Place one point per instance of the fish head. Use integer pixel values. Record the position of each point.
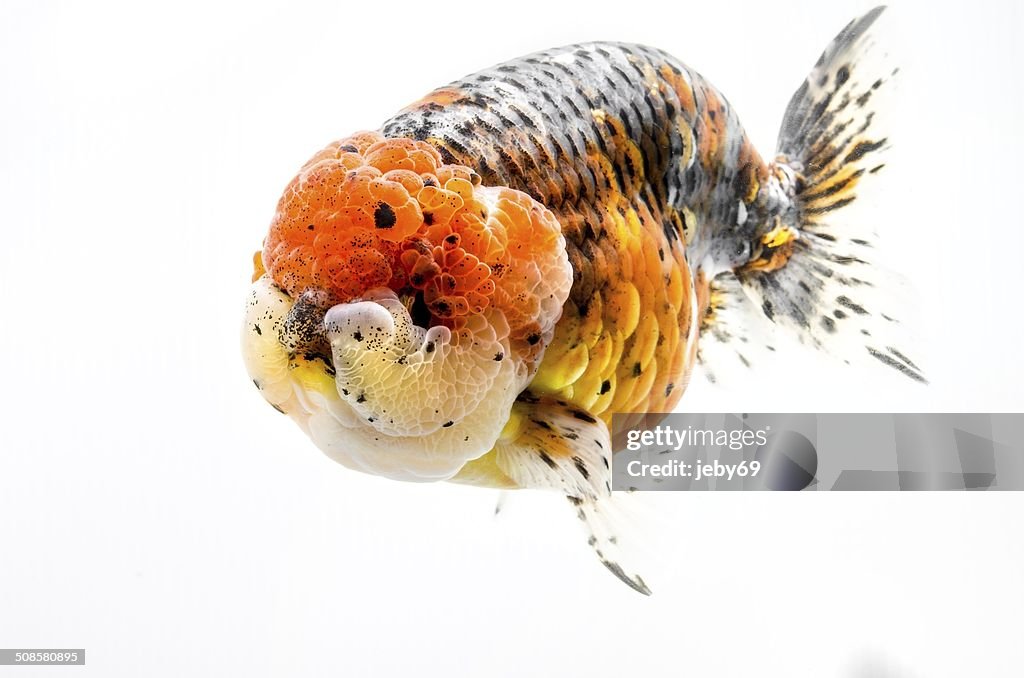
(398, 306)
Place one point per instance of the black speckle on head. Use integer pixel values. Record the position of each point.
(546, 459)
(361, 398)
(668, 389)
(429, 348)
(636, 370)
(428, 218)
(348, 148)
(384, 216)
(258, 329)
(605, 387)
(499, 356)
(533, 339)
(447, 424)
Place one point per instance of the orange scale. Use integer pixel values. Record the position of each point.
(293, 271)
(410, 181)
(357, 216)
(362, 140)
(350, 161)
(273, 249)
(461, 186)
(464, 220)
(326, 242)
(449, 258)
(464, 265)
(441, 204)
(407, 221)
(452, 241)
(416, 156)
(390, 192)
(437, 232)
(365, 239)
(475, 278)
(486, 287)
(390, 158)
(425, 159)
(477, 302)
(448, 172)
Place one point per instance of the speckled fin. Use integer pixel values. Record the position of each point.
(734, 335)
(824, 281)
(555, 445)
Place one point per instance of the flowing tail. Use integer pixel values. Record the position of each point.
(811, 267)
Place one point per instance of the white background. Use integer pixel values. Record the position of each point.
(156, 512)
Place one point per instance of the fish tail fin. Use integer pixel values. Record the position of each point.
(813, 266)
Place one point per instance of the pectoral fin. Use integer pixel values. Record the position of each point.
(552, 444)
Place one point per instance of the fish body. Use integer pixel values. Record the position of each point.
(471, 292)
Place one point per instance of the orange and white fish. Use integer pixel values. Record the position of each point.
(469, 293)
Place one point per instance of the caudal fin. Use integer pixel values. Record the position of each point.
(813, 267)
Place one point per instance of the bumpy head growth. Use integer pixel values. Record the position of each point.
(399, 306)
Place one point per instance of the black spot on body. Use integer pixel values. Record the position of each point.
(583, 416)
(581, 467)
(842, 75)
(543, 424)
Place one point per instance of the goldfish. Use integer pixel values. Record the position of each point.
(469, 292)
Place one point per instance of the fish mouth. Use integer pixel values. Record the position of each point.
(376, 390)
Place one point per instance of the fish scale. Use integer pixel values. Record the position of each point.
(603, 135)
